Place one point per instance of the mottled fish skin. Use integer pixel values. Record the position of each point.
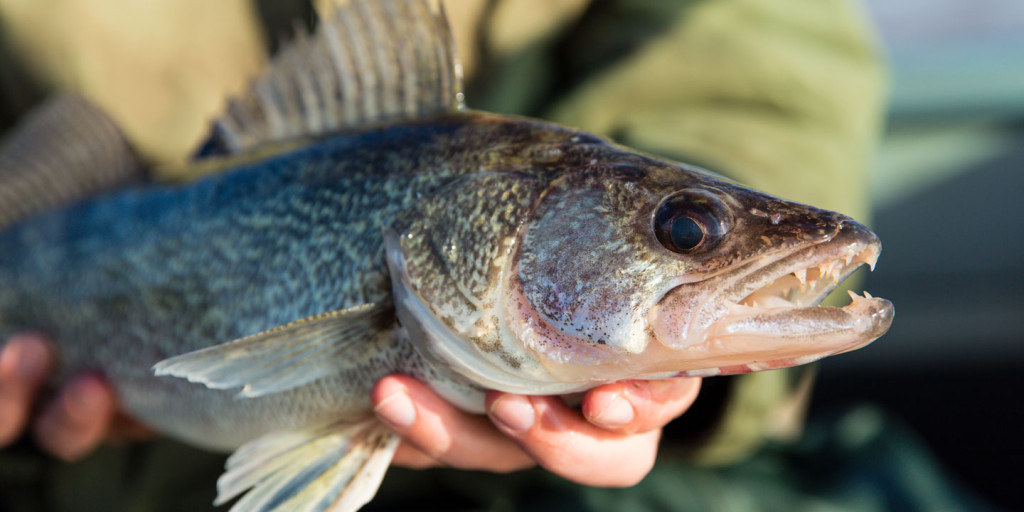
(126, 280)
(519, 255)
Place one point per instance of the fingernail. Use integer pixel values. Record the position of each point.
(397, 409)
(513, 412)
(28, 358)
(617, 413)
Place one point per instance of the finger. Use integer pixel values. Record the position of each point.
(124, 428)
(441, 432)
(77, 420)
(24, 363)
(565, 443)
(409, 456)
(633, 406)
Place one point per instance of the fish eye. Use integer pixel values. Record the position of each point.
(687, 222)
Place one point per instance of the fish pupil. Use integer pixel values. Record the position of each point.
(686, 233)
(690, 221)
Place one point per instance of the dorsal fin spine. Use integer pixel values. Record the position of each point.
(385, 61)
(343, 71)
(307, 86)
(369, 62)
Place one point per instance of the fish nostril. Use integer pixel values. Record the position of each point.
(839, 229)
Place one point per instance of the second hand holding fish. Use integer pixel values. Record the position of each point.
(537, 429)
(615, 419)
(83, 415)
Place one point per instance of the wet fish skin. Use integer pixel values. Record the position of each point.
(527, 246)
(487, 210)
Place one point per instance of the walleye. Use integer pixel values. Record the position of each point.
(396, 231)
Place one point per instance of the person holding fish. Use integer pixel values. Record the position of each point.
(612, 439)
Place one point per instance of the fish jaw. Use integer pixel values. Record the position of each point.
(769, 317)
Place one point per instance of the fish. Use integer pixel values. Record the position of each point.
(360, 221)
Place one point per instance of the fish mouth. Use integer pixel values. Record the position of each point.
(770, 317)
(806, 277)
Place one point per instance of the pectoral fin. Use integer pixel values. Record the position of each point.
(337, 467)
(291, 355)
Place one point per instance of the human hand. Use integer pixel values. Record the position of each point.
(81, 416)
(611, 442)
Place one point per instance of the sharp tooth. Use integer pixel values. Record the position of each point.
(801, 275)
(871, 258)
(829, 268)
(849, 258)
(855, 297)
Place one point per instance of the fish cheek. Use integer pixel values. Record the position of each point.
(583, 269)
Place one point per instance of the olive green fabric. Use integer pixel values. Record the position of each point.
(160, 69)
(785, 96)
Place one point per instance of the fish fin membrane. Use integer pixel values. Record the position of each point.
(368, 63)
(63, 151)
(335, 467)
(291, 355)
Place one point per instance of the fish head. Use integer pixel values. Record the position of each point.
(607, 264)
(634, 267)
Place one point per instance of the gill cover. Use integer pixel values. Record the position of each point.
(449, 258)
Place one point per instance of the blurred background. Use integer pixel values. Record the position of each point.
(948, 191)
(949, 200)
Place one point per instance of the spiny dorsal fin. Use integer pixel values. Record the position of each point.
(63, 151)
(369, 62)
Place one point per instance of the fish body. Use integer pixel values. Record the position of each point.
(473, 251)
(127, 280)
(124, 281)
